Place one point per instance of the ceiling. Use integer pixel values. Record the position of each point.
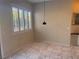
(37, 1)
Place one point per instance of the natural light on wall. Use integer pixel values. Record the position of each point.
(22, 19)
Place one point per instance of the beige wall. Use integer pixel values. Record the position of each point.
(58, 17)
(11, 41)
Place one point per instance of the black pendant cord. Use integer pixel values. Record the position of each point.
(44, 23)
(44, 10)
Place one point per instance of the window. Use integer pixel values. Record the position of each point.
(22, 19)
(15, 19)
(26, 20)
(30, 19)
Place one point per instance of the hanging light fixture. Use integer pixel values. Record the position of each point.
(44, 22)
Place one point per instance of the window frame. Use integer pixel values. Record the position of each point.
(25, 29)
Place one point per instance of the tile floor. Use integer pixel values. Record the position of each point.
(47, 51)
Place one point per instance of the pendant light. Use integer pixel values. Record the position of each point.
(44, 22)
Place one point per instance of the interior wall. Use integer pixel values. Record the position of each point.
(12, 41)
(58, 18)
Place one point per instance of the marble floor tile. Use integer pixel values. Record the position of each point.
(46, 51)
